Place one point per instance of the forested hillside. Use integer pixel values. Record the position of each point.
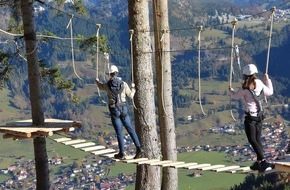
(83, 103)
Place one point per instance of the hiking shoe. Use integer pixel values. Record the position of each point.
(139, 154)
(120, 156)
(255, 166)
(265, 166)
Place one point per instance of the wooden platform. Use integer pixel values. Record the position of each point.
(280, 165)
(24, 128)
(283, 165)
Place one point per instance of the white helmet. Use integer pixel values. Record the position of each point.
(113, 69)
(250, 69)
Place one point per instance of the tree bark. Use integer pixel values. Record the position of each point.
(148, 177)
(40, 154)
(164, 89)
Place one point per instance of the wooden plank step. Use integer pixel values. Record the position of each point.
(185, 165)
(212, 167)
(100, 152)
(99, 147)
(176, 163)
(262, 173)
(239, 170)
(74, 141)
(160, 163)
(198, 166)
(62, 139)
(82, 145)
(227, 168)
(134, 160)
(110, 155)
(148, 161)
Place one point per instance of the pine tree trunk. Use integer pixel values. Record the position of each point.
(164, 89)
(41, 161)
(148, 177)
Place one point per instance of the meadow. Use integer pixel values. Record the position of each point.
(12, 151)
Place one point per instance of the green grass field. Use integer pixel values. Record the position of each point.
(12, 151)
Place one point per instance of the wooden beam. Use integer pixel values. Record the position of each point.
(44, 133)
(82, 145)
(212, 167)
(185, 165)
(100, 152)
(282, 168)
(227, 168)
(62, 139)
(7, 136)
(99, 147)
(198, 166)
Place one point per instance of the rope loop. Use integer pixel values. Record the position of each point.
(199, 79)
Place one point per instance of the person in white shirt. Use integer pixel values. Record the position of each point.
(251, 90)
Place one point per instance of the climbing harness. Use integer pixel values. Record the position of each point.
(234, 22)
(199, 86)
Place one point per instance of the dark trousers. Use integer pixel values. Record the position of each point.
(253, 131)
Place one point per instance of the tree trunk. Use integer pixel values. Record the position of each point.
(164, 89)
(148, 177)
(40, 154)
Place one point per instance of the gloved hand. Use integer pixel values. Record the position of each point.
(133, 85)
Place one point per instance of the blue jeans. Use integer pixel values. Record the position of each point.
(118, 120)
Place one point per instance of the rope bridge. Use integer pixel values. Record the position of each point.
(100, 150)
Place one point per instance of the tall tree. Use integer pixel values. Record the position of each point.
(148, 177)
(164, 89)
(40, 154)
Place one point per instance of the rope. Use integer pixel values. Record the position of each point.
(162, 79)
(132, 61)
(199, 86)
(238, 56)
(234, 22)
(97, 64)
(107, 57)
(269, 46)
(270, 36)
(72, 45)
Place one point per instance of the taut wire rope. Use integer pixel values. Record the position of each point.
(199, 86)
(234, 22)
(70, 24)
(131, 32)
(269, 45)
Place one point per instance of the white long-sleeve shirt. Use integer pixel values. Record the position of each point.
(249, 103)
